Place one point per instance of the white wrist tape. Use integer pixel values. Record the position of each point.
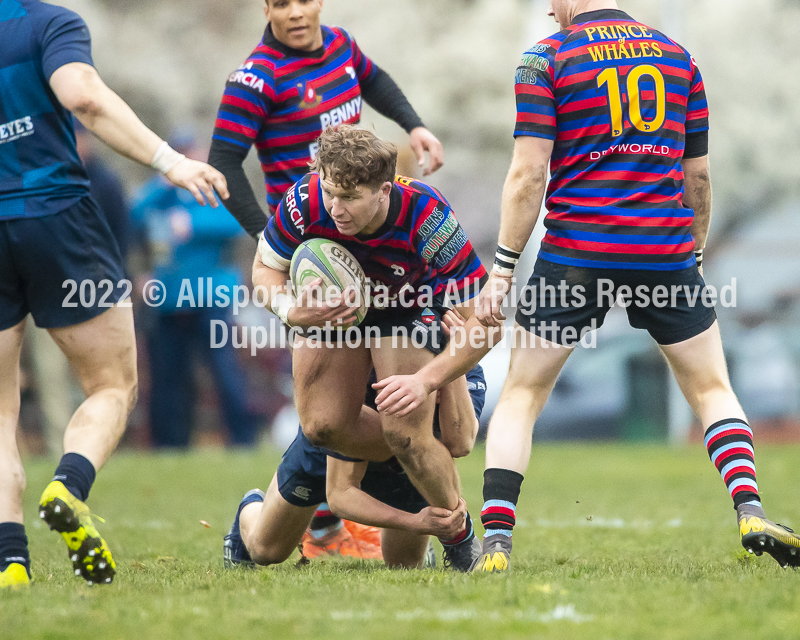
(281, 304)
(166, 158)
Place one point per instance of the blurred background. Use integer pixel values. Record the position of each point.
(455, 60)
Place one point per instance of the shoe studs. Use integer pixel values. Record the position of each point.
(74, 557)
(102, 565)
(41, 514)
(77, 572)
(108, 580)
(57, 509)
(92, 552)
(89, 582)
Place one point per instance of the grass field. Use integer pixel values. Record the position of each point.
(612, 542)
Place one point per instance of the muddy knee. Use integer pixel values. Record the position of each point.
(320, 434)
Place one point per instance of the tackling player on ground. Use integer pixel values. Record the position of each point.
(268, 528)
(407, 239)
(619, 112)
(51, 232)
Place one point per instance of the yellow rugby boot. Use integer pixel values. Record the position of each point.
(760, 535)
(495, 555)
(90, 555)
(14, 577)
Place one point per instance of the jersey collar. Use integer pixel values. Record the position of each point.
(601, 14)
(269, 40)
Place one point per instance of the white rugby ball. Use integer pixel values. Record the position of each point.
(338, 268)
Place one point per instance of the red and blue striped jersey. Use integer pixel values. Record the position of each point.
(421, 244)
(619, 100)
(281, 100)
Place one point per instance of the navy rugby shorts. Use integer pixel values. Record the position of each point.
(39, 255)
(302, 479)
(671, 315)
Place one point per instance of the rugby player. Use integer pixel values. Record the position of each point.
(301, 78)
(406, 238)
(619, 112)
(374, 493)
(52, 233)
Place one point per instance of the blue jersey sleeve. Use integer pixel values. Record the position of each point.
(65, 38)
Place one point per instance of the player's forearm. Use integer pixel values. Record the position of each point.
(353, 504)
(467, 347)
(523, 193)
(228, 159)
(81, 90)
(457, 419)
(382, 94)
(697, 196)
(269, 280)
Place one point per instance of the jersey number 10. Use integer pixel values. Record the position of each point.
(610, 77)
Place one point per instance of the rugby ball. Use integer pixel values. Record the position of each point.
(338, 268)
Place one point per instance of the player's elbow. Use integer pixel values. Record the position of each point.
(462, 441)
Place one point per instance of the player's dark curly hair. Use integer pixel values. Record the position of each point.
(351, 157)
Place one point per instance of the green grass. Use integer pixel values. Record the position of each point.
(612, 542)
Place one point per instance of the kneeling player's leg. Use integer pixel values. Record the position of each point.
(700, 369)
(535, 365)
(329, 384)
(272, 530)
(403, 549)
(426, 460)
(13, 541)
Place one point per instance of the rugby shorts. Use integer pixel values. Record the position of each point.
(39, 255)
(679, 316)
(302, 479)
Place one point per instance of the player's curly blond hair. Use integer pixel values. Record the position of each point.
(351, 157)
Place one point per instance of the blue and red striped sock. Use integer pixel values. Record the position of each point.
(730, 447)
(324, 522)
(466, 534)
(501, 489)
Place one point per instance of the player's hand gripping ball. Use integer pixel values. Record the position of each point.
(338, 268)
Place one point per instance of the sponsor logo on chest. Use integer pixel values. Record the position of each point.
(347, 113)
(16, 129)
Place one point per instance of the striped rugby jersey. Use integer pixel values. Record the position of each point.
(619, 100)
(420, 243)
(282, 99)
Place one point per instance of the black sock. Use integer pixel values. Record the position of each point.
(500, 494)
(14, 546)
(77, 475)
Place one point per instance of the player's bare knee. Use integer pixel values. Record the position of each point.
(319, 433)
(399, 441)
(265, 554)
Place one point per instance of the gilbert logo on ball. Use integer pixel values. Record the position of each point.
(338, 268)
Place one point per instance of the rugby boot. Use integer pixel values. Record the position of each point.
(14, 576)
(760, 535)
(64, 513)
(459, 557)
(364, 533)
(234, 553)
(338, 543)
(495, 555)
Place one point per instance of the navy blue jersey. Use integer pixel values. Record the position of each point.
(40, 171)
